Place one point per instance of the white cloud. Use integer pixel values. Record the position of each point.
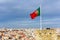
(24, 24)
(50, 7)
(52, 21)
(4, 1)
(10, 5)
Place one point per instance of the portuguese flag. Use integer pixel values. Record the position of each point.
(35, 13)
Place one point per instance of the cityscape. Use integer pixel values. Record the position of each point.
(30, 34)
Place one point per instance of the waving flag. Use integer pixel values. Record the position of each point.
(35, 13)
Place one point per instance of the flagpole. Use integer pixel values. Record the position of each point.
(41, 23)
(40, 19)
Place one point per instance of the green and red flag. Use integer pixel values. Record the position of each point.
(35, 13)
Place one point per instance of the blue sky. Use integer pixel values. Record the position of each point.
(16, 13)
(51, 13)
